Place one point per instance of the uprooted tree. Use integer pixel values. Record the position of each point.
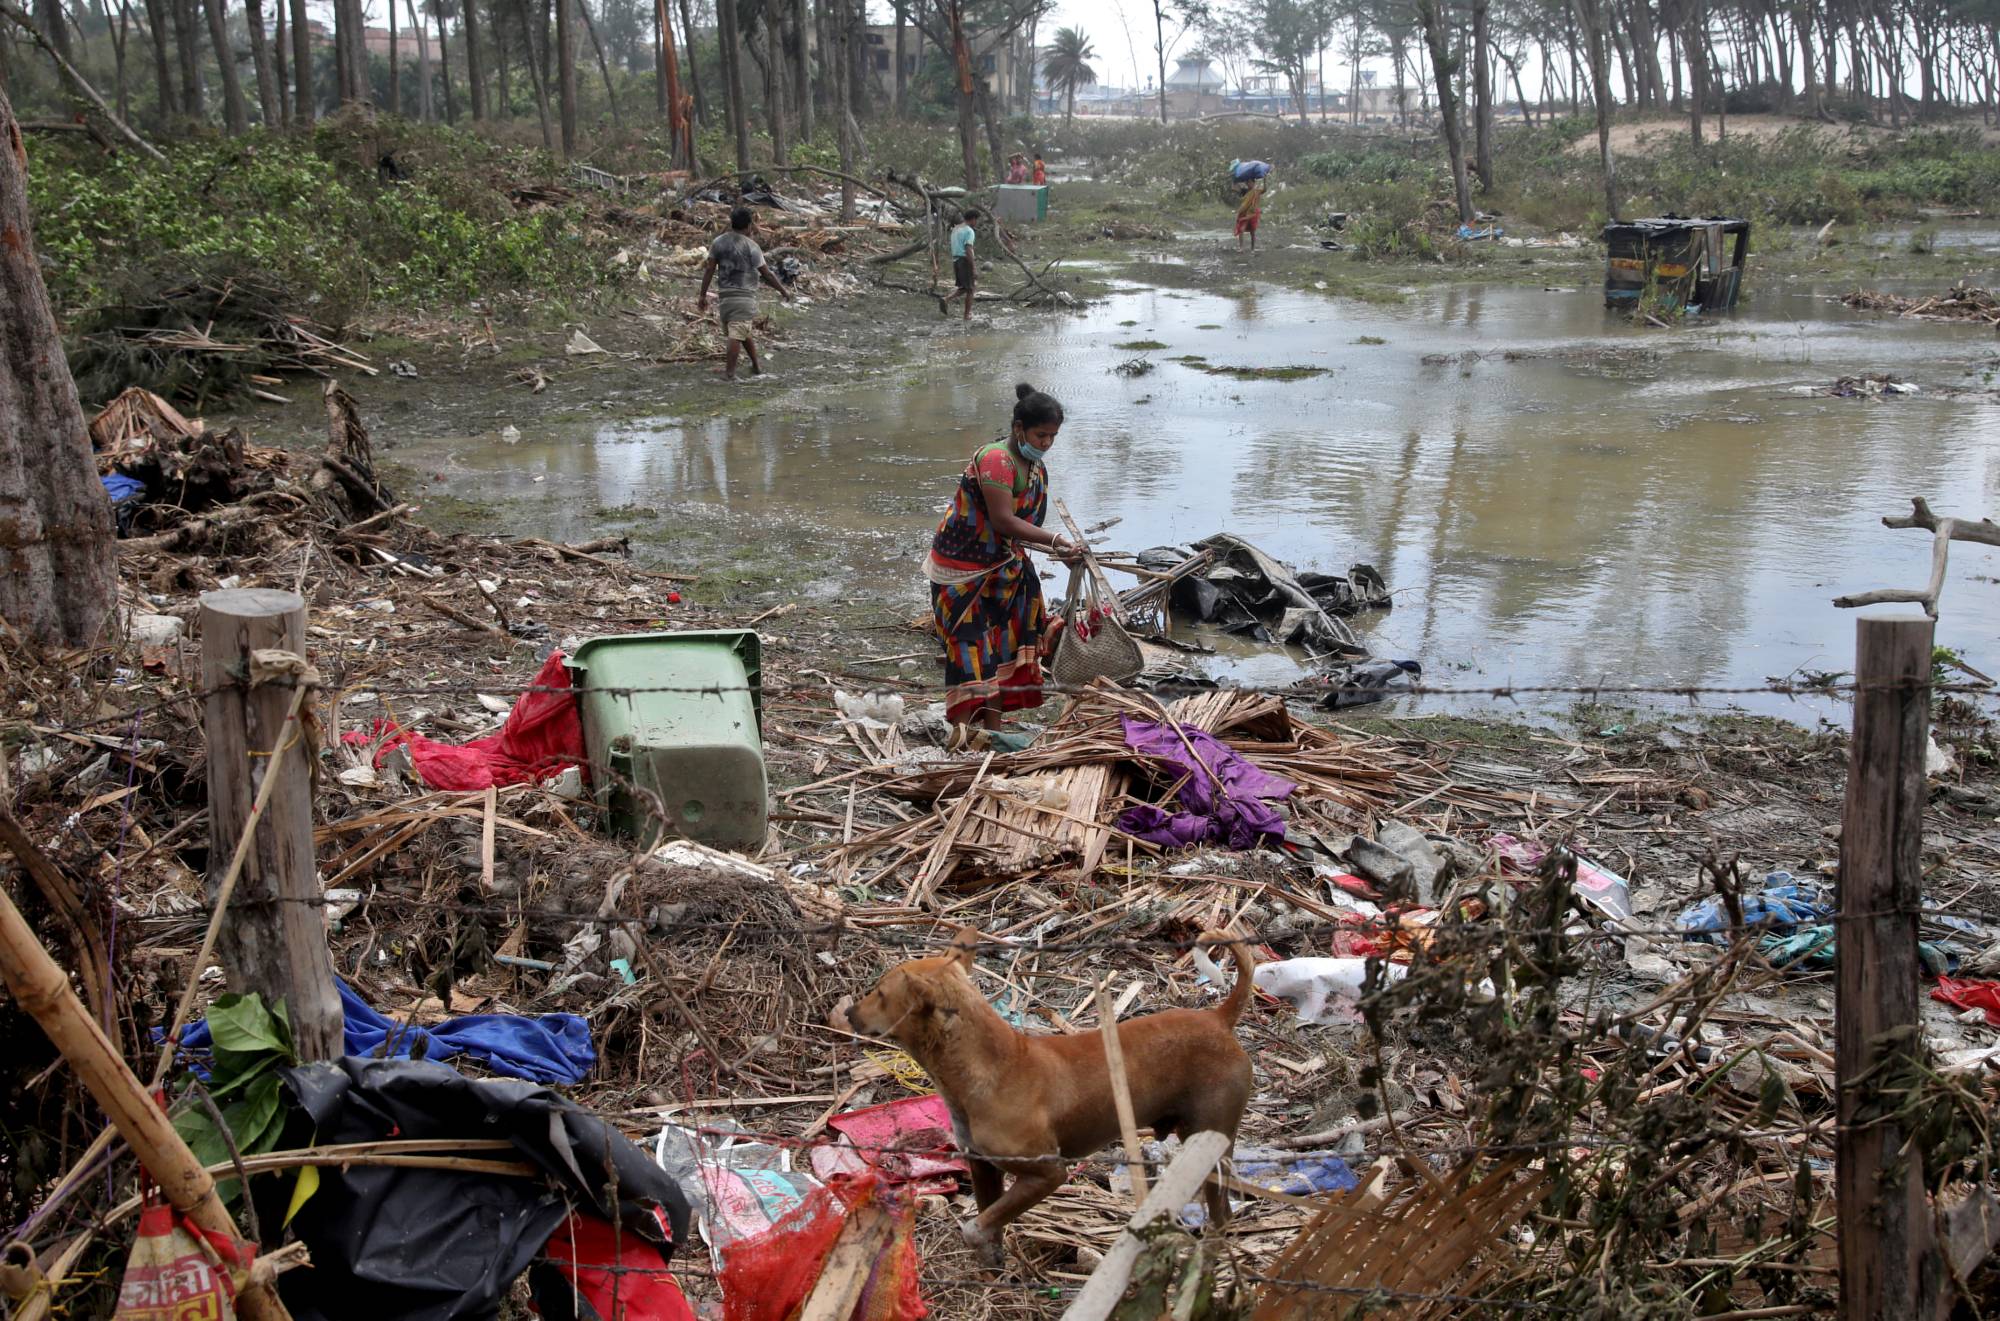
(58, 570)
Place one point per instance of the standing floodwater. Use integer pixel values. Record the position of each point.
(1556, 497)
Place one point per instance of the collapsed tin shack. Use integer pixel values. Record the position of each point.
(1688, 264)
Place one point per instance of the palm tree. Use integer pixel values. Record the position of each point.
(1068, 66)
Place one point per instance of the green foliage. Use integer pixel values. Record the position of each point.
(250, 1044)
(308, 216)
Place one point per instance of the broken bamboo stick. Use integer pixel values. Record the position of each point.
(1121, 1094)
(1179, 1183)
(41, 988)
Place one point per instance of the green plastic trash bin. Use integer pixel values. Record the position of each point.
(699, 754)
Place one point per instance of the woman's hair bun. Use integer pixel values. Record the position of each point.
(1023, 390)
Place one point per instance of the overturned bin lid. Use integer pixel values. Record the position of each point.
(673, 725)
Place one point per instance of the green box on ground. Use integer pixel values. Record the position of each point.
(694, 743)
(1022, 201)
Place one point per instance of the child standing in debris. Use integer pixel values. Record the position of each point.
(1248, 212)
(964, 266)
(985, 597)
(737, 259)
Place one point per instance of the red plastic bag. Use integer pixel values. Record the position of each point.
(591, 1272)
(907, 1141)
(181, 1272)
(769, 1277)
(543, 736)
(1970, 995)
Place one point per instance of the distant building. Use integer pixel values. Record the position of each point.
(998, 63)
(1194, 88)
(378, 43)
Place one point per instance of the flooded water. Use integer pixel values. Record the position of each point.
(1554, 496)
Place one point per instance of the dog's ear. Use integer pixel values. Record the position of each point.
(963, 942)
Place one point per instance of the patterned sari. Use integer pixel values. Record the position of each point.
(985, 596)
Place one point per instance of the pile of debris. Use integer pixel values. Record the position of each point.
(1474, 903)
(1962, 302)
(204, 343)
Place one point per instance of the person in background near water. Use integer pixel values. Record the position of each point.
(1248, 212)
(1041, 171)
(1017, 168)
(738, 260)
(985, 596)
(964, 266)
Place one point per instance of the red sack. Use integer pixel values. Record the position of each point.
(1970, 995)
(181, 1272)
(769, 1277)
(591, 1272)
(543, 736)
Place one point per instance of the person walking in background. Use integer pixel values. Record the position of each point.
(964, 265)
(1041, 170)
(1249, 212)
(738, 262)
(1017, 168)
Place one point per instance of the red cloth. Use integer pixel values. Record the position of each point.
(543, 736)
(617, 1277)
(1970, 995)
(768, 1277)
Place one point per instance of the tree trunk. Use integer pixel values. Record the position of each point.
(902, 74)
(982, 100)
(303, 99)
(769, 58)
(235, 112)
(798, 63)
(503, 106)
(120, 38)
(1160, 49)
(536, 79)
(1436, 37)
(444, 64)
(694, 65)
(55, 522)
(423, 61)
(268, 91)
(156, 25)
(566, 74)
(679, 131)
(184, 44)
(603, 65)
(1696, 42)
(844, 119)
(395, 63)
(1591, 15)
(49, 17)
(1482, 105)
(968, 146)
(280, 65)
(728, 33)
(474, 81)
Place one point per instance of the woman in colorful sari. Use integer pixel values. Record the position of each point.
(985, 596)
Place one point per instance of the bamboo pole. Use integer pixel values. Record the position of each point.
(41, 988)
(1121, 1094)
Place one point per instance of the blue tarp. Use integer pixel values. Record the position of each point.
(1782, 905)
(122, 488)
(554, 1048)
(1245, 171)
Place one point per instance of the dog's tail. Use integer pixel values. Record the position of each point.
(1233, 1005)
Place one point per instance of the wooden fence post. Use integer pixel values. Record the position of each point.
(1887, 1267)
(274, 941)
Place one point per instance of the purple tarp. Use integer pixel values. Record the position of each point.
(1223, 799)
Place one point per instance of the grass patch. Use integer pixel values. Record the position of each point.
(1291, 373)
(1210, 325)
(1140, 345)
(1370, 339)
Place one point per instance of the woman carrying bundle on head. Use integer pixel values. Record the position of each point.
(985, 596)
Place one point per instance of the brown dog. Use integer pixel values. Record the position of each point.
(1027, 1104)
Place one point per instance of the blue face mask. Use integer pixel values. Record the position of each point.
(1029, 450)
